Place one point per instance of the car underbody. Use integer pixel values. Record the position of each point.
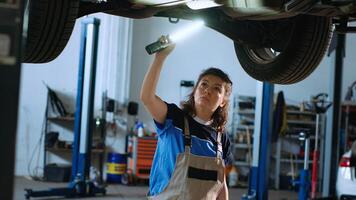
(147, 8)
(269, 36)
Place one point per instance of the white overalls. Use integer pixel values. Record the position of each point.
(195, 177)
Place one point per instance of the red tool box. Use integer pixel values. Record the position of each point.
(141, 151)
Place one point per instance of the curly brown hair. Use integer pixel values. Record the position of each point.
(220, 115)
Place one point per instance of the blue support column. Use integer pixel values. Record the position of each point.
(85, 100)
(258, 183)
(265, 145)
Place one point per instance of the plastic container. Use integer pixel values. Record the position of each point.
(139, 127)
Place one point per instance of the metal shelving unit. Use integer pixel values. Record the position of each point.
(55, 122)
(242, 140)
(296, 119)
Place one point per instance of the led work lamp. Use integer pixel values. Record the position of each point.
(165, 41)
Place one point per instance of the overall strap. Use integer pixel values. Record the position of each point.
(187, 137)
(219, 150)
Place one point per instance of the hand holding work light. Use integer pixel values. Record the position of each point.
(162, 43)
(165, 41)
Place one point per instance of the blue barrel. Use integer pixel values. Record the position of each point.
(116, 167)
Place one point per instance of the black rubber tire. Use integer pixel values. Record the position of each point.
(307, 46)
(50, 26)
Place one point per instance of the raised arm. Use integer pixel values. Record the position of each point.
(153, 103)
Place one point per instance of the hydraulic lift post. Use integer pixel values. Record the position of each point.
(10, 68)
(259, 175)
(332, 153)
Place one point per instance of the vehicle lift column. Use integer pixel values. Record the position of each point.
(10, 68)
(331, 155)
(80, 184)
(259, 175)
(84, 120)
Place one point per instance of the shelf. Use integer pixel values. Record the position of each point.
(292, 112)
(246, 112)
(288, 121)
(61, 119)
(348, 103)
(70, 150)
(242, 163)
(295, 161)
(301, 122)
(296, 112)
(242, 146)
(297, 137)
(349, 107)
(243, 127)
(287, 160)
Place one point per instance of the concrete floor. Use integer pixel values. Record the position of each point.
(121, 192)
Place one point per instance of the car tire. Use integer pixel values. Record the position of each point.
(50, 25)
(304, 51)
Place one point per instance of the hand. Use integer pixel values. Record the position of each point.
(166, 51)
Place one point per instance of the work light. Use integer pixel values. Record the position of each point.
(176, 37)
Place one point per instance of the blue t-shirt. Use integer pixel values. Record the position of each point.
(171, 143)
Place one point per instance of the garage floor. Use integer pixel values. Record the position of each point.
(120, 192)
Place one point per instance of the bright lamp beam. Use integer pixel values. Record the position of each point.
(186, 31)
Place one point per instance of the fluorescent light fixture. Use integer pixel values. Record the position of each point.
(186, 31)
